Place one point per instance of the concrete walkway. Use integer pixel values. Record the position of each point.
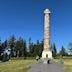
(40, 67)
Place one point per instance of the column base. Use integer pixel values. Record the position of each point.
(47, 54)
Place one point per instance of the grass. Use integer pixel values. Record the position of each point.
(23, 65)
(15, 66)
(68, 65)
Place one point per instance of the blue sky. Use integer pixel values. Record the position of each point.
(25, 18)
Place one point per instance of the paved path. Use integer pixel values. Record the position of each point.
(40, 67)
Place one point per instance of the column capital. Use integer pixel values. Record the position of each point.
(47, 11)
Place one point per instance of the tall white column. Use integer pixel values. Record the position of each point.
(46, 51)
(46, 30)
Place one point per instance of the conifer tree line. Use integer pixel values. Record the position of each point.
(19, 48)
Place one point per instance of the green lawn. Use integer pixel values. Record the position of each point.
(68, 65)
(15, 66)
(23, 65)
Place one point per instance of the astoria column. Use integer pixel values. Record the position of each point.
(46, 51)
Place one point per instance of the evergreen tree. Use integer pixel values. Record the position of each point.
(20, 45)
(25, 49)
(4, 44)
(41, 48)
(1, 50)
(1, 46)
(70, 48)
(34, 50)
(17, 48)
(54, 52)
(37, 48)
(31, 49)
(63, 52)
(21, 50)
(11, 43)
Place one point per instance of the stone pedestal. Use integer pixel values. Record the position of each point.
(45, 60)
(47, 53)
